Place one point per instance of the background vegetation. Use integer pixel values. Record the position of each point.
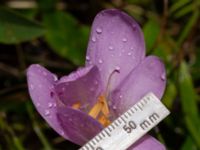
(54, 33)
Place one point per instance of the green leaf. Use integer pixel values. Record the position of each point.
(151, 31)
(67, 38)
(15, 28)
(178, 4)
(189, 103)
(185, 10)
(188, 27)
(170, 94)
(189, 144)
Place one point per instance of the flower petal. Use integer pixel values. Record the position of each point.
(41, 88)
(77, 125)
(147, 143)
(149, 76)
(116, 43)
(82, 88)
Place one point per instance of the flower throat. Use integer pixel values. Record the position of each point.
(100, 110)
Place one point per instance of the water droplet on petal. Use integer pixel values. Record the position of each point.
(134, 27)
(54, 104)
(55, 77)
(91, 89)
(117, 68)
(87, 58)
(124, 40)
(96, 82)
(47, 113)
(44, 73)
(163, 77)
(129, 54)
(120, 96)
(50, 105)
(38, 104)
(63, 89)
(114, 107)
(93, 39)
(32, 87)
(99, 30)
(110, 48)
(62, 133)
(100, 61)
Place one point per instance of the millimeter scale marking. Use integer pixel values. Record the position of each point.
(130, 126)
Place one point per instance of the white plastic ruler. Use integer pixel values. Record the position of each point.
(130, 126)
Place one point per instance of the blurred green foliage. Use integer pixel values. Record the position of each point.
(55, 33)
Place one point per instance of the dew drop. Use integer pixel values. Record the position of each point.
(124, 40)
(47, 113)
(117, 68)
(114, 107)
(54, 104)
(129, 54)
(91, 89)
(93, 39)
(120, 96)
(99, 30)
(62, 133)
(50, 105)
(163, 77)
(87, 58)
(44, 73)
(55, 77)
(32, 87)
(96, 82)
(63, 89)
(100, 61)
(38, 104)
(110, 48)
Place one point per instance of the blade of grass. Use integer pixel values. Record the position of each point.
(189, 103)
(193, 19)
(189, 144)
(185, 10)
(16, 142)
(178, 5)
(37, 129)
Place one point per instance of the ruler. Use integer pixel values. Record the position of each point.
(130, 126)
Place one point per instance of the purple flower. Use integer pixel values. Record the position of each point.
(117, 74)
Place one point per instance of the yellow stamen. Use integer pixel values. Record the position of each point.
(105, 109)
(96, 109)
(76, 105)
(104, 120)
(101, 107)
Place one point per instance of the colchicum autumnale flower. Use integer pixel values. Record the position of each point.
(116, 75)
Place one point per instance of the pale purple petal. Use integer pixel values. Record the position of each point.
(149, 76)
(75, 75)
(41, 88)
(147, 143)
(78, 126)
(83, 87)
(116, 43)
